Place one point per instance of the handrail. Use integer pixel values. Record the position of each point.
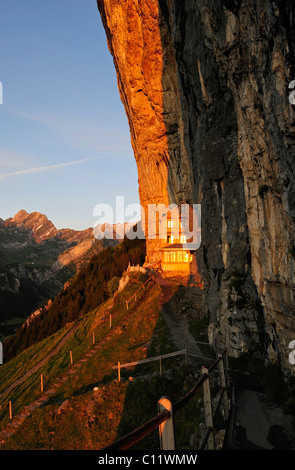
(130, 439)
(151, 359)
(205, 439)
(228, 438)
(184, 400)
(214, 364)
(138, 434)
(136, 292)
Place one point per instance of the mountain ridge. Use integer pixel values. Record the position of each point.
(36, 260)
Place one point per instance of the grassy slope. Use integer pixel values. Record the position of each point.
(94, 419)
(86, 290)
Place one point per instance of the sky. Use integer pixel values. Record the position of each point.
(64, 135)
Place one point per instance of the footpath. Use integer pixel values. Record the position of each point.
(259, 423)
(178, 325)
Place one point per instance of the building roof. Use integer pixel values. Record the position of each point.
(176, 207)
(180, 246)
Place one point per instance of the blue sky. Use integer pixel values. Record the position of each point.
(64, 136)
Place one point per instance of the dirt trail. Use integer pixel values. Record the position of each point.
(260, 424)
(178, 325)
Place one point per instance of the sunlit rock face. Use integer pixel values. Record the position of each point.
(148, 84)
(205, 89)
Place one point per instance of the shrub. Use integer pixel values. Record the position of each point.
(113, 285)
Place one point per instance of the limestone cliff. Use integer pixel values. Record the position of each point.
(205, 88)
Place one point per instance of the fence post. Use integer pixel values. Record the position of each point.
(71, 357)
(119, 372)
(208, 409)
(166, 429)
(223, 385)
(160, 366)
(186, 352)
(110, 320)
(10, 411)
(127, 304)
(41, 382)
(93, 337)
(226, 366)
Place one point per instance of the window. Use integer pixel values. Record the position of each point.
(170, 223)
(183, 209)
(183, 223)
(170, 256)
(182, 238)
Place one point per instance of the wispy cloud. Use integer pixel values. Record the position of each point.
(83, 133)
(41, 169)
(12, 161)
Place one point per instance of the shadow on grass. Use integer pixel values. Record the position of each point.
(147, 386)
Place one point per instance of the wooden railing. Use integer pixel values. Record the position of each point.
(134, 296)
(151, 359)
(164, 419)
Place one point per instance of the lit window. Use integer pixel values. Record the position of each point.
(171, 239)
(167, 256)
(183, 239)
(170, 223)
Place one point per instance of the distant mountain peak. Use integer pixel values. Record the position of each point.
(20, 216)
(38, 223)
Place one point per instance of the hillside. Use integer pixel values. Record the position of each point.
(83, 406)
(36, 260)
(83, 292)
